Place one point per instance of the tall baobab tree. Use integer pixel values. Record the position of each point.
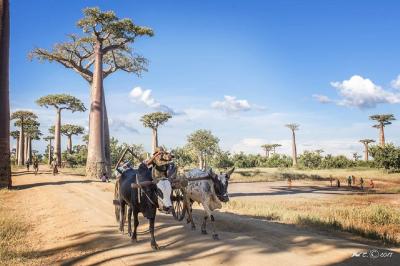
(366, 143)
(383, 121)
(293, 127)
(70, 130)
(153, 121)
(103, 49)
(49, 139)
(60, 102)
(5, 167)
(267, 148)
(15, 135)
(21, 117)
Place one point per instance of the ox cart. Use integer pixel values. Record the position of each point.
(178, 189)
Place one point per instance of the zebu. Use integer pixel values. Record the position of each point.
(136, 188)
(209, 190)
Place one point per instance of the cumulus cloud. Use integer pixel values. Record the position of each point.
(361, 93)
(145, 97)
(396, 83)
(322, 98)
(119, 124)
(231, 104)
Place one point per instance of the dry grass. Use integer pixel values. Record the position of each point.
(384, 182)
(352, 214)
(14, 247)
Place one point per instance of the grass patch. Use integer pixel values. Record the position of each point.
(373, 221)
(14, 249)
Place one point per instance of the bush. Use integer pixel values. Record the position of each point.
(387, 157)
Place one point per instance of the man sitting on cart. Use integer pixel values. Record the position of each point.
(159, 163)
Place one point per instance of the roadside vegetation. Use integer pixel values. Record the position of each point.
(14, 232)
(377, 221)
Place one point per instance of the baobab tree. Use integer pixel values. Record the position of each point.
(274, 146)
(153, 121)
(60, 102)
(70, 130)
(5, 167)
(204, 144)
(102, 50)
(383, 121)
(49, 139)
(21, 117)
(356, 157)
(366, 143)
(293, 127)
(267, 148)
(15, 135)
(31, 130)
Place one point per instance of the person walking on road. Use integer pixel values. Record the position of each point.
(349, 181)
(54, 166)
(361, 183)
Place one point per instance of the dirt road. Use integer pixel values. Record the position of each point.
(74, 224)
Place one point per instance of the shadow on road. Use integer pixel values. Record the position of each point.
(54, 183)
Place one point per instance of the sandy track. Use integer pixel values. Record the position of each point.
(74, 224)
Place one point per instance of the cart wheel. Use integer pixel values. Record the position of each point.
(179, 208)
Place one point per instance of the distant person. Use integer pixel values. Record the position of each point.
(54, 166)
(349, 179)
(338, 182)
(331, 180)
(27, 165)
(371, 184)
(354, 180)
(104, 178)
(36, 165)
(361, 183)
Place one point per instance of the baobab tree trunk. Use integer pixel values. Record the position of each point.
(96, 161)
(155, 139)
(366, 152)
(5, 167)
(50, 155)
(294, 149)
(21, 151)
(69, 145)
(57, 138)
(201, 161)
(382, 135)
(26, 148)
(107, 152)
(30, 149)
(17, 150)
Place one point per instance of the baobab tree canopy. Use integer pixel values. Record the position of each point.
(383, 119)
(203, 141)
(70, 130)
(154, 120)
(293, 127)
(113, 33)
(23, 115)
(62, 101)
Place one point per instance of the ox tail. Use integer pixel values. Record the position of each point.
(116, 201)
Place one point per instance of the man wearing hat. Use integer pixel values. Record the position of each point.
(159, 161)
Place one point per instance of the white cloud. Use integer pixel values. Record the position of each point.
(322, 98)
(396, 83)
(137, 94)
(231, 104)
(363, 93)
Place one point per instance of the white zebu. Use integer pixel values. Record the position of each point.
(209, 190)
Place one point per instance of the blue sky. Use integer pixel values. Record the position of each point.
(242, 69)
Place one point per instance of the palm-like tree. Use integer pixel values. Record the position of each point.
(60, 102)
(21, 118)
(5, 170)
(267, 148)
(49, 139)
(383, 121)
(153, 121)
(366, 143)
(274, 146)
(70, 130)
(293, 127)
